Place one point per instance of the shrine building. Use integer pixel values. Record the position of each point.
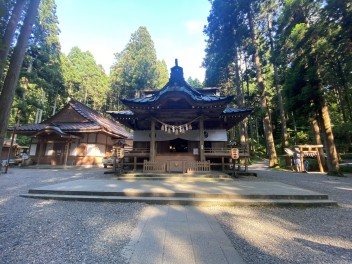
(179, 128)
(76, 135)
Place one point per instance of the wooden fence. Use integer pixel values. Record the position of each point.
(197, 166)
(154, 166)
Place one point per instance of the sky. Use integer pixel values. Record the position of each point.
(104, 27)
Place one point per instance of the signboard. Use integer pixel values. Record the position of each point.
(234, 153)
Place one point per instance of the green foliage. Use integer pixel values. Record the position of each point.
(195, 83)
(163, 74)
(311, 50)
(23, 140)
(3, 9)
(343, 137)
(136, 68)
(85, 80)
(41, 82)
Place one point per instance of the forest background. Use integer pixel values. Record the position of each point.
(289, 60)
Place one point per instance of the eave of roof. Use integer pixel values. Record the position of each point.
(177, 84)
(95, 122)
(228, 111)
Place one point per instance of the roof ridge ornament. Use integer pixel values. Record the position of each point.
(177, 74)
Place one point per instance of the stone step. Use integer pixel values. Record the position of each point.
(188, 200)
(170, 194)
(174, 179)
(214, 175)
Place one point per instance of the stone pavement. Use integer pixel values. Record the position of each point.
(175, 233)
(182, 192)
(179, 234)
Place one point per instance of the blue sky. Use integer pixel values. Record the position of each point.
(104, 27)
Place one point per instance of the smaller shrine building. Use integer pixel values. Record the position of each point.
(76, 135)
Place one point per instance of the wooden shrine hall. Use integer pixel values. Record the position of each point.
(179, 128)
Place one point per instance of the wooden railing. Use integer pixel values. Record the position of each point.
(215, 152)
(225, 152)
(154, 166)
(137, 152)
(221, 152)
(197, 166)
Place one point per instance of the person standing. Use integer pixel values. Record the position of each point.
(297, 159)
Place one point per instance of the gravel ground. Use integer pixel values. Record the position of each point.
(44, 231)
(293, 235)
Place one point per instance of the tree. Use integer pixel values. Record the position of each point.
(304, 80)
(232, 29)
(10, 83)
(194, 82)
(6, 40)
(162, 73)
(135, 67)
(42, 71)
(273, 161)
(85, 80)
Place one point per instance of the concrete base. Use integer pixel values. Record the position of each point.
(184, 192)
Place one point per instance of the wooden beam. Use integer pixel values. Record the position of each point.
(201, 139)
(152, 141)
(67, 144)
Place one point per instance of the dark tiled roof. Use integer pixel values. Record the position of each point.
(126, 113)
(99, 119)
(67, 127)
(177, 84)
(96, 121)
(229, 110)
(194, 95)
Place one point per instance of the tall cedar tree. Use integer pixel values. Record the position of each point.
(136, 67)
(8, 91)
(6, 40)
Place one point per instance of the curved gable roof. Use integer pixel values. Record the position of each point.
(91, 121)
(177, 84)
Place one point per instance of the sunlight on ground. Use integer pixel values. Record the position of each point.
(344, 188)
(111, 185)
(3, 200)
(44, 203)
(271, 233)
(50, 180)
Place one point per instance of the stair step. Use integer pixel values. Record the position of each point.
(187, 200)
(181, 195)
(175, 179)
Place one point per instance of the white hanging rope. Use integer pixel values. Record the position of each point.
(176, 129)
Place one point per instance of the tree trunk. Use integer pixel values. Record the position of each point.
(8, 91)
(284, 134)
(273, 161)
(345, 94)
(332, 161)
(55, 105)
(9, 34)
(240, 103)
(317, 139)
(330, 149)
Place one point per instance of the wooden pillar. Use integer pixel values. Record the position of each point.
(41, 149)
(201, 139)
(134, 163)
(114, 164)
(301, 153)
(321, 169)
(152, 141)
(66, 152)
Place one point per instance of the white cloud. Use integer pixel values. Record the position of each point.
(194, 27)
